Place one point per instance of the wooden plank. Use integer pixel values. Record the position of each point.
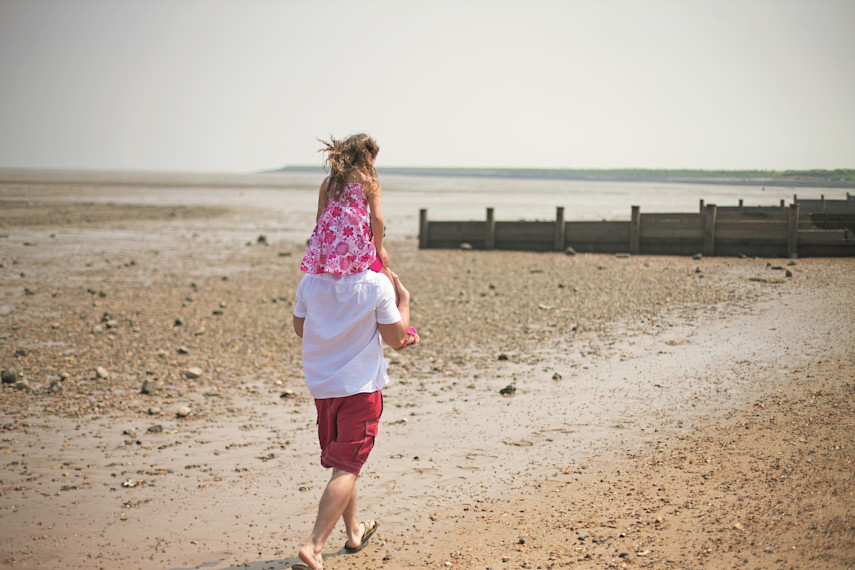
(634, 229)
(709, 229)
(456, 228)
(452, 234)
(423, 229)
(525, 231)
(749, 214)
(694, 224)
(526, 236)
(746, 243)
(596, 232)
(793, 231)
(826, 237)
(558, 242)
(675, 218)
(669, 232)
(671, 247)
(490, 230)
(728, 249)
(823, 205)
(749, 230)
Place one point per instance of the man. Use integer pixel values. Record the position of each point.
(341, 319)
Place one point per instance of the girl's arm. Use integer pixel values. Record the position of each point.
(378, 226)
(322, 199)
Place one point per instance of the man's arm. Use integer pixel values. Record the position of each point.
(395, 335)
(298, 325)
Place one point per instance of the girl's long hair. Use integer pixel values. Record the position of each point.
(343, 157)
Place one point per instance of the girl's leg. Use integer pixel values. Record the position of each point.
(388, 273)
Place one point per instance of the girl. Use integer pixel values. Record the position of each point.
(349, 228)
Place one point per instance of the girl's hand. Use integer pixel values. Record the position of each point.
(384, 257)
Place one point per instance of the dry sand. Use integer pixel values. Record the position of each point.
(666, 412)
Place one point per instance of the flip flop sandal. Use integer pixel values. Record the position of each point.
(366, 536)
(412, 338)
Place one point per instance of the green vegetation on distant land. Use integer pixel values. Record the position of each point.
(822, 178)
(840, 178)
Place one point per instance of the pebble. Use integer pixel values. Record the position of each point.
(150, 386)
(183, 412)
(10, 375)
(102, 373)
(193, 373)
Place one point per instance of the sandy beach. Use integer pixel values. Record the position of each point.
(658, 412)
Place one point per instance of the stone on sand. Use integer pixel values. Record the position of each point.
(193, 372)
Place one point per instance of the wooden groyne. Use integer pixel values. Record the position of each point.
(805, 228)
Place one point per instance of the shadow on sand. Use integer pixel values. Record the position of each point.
(281, 564)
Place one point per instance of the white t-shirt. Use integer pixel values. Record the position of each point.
(342, 349)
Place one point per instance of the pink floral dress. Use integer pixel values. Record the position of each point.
(341, 241)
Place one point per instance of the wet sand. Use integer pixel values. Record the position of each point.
(666, 412)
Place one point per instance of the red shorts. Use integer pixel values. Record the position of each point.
(347, 428)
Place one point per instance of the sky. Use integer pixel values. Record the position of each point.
(228, 86)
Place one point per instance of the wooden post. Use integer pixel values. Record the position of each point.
(822, 203)
(793, 230)
(782, 203)
(423, 229)
(490, 231)
(740, 205)
(702, 206)
(709, 230)
(559, 229)
(634, 230)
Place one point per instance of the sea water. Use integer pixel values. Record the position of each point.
(290, 198)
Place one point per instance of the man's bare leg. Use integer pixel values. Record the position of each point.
(355, 529)
(338, 500)
(351, 525)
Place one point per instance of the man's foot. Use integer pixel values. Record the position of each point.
(368, 530)
(311, 561)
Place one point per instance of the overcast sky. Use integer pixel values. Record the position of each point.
(249, 85)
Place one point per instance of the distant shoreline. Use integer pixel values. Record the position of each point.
(839, 178)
